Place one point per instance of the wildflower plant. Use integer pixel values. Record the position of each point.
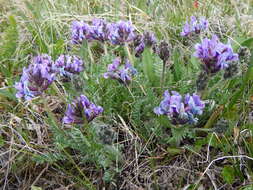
(122, 73)
(214, 55)
(180, 110)
(100, 30)
(36, 78)
(80, 31)
(122, 32)
(148, 39)
(194, 27)
(67, 65)
(81, 111)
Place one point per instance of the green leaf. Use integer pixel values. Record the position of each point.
(9, 43)
(148, 66)
(7, 93)
(228, 174)
(248, 42)
(194, 62)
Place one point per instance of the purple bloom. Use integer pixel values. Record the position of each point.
(148, 39)
(214, 54)
(139, 49)
(179, 110)
(67, 65)
(194, 27)
(100, 30)
(36, 78)
(121, 73)
(81, 110)
(122, 32)
(80, 31)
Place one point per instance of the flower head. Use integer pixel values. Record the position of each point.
(122, 32)
(80, 31)
(195, 26)
(100, 30)
(214, 54)
(148, 39)
(122, 73)
(180, 110)
(67, 65)
(81, 110)
(36, 78)
(163, 51)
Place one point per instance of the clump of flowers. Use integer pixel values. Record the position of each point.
(122, 73)
(214, 55)
(80, 31)
(122, 32)
(100, 30)
(117, 33)
(81, 110)
(148, 39)
(194, 27)
(68, 65)
(180, 110)
(36, 78)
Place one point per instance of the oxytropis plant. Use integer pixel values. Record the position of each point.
(194, 27)
(214, 56)
(36, 78)
(122, 73)
(180, 110)
(81, 111)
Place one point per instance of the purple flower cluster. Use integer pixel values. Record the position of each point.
(36, 78)
(100, 30)
(148, 39)
(214, 54)
(194, 27)
(68, 65)
(80, 31)
(179, 110)
(42, 72)
(122, 32)
(81, 110)
(122, 73)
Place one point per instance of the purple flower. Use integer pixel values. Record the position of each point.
(100, 30)
(80, 31)
(214, 54)
(122, 32)
(81, 110)
(122, 73)
(36, 78)
(67, 65)
(179, 110)
(194, 27)
(148, 39)
(139, 49)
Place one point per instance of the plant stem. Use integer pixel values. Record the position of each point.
(105, 49)
(129, 54)
(91, 57)
(163, 74)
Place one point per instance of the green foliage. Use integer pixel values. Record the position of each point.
(228, 174)
(151, 69)
(8, 46)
